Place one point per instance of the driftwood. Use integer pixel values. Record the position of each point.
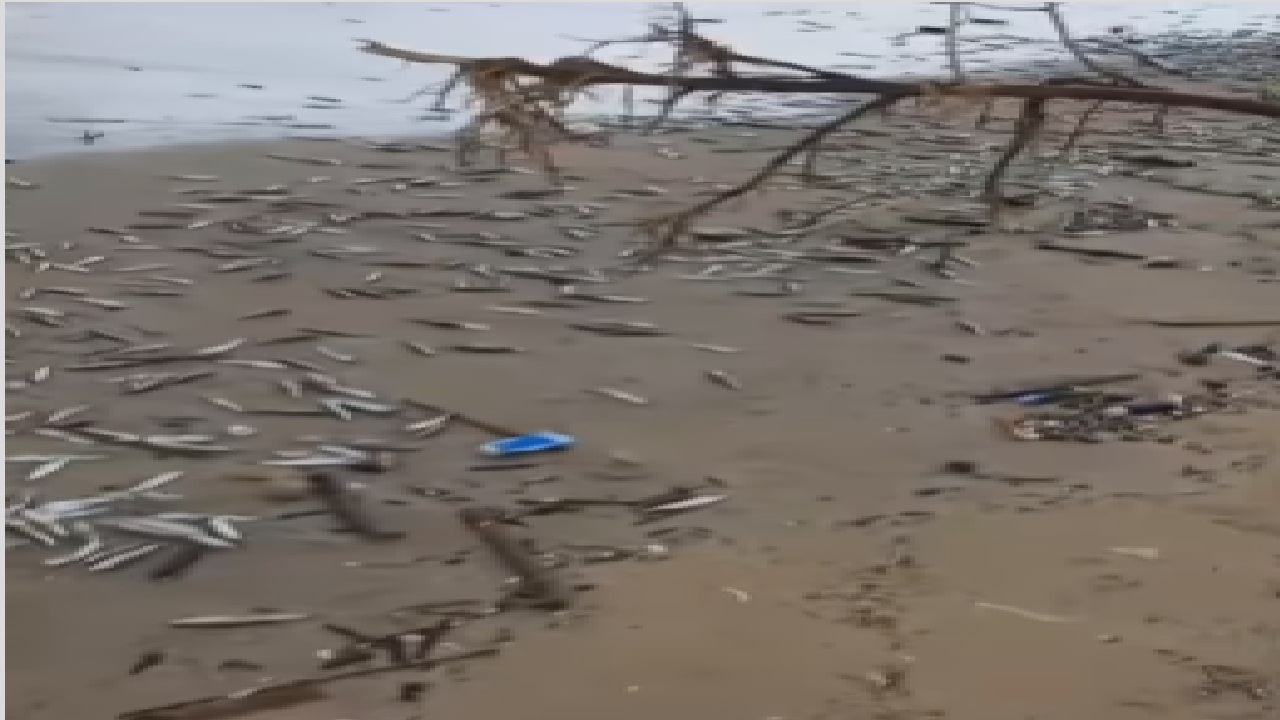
(528, 99)
(580, 72)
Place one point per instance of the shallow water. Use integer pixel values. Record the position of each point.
(162, 73)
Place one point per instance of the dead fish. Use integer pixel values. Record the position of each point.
(571, 291)
(49, 468)
(335, 355)
(513, 310)
(260, 364)
(59, 434)
(369, 407)
(430, 427)
(222, 526)
(24, 528)
(160, 442)
(224, 403)
(269, 313)
(486, 348)
(305, 160)
(152, 483)
(122, 558)
(693, 503)
(819, 317)
(148, 267)
(166, 529)
(725, 349)
(244, 264)
(719, 233)
(93, 543)
(620, 328)
(620, 395)
(235, 621)
(724, 379)
(450, 324)
(194, 178)
(102, 302)
(292, 388)
(220, 348)
(66, 413)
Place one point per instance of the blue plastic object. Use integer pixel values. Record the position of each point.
(544, 441)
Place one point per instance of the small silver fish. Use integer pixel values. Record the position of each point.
(222, 526)
(336, 407)
(622, 395)
(93, 543)
(715, 348)
(123, 558)
(291, 388)
(429, 427)
(724, 379)
(224, 403)
(153, 482)
(63, 435)
(419, 348)
(687, 504)
(49, 468)
(167, 529)
(335, 355)
(369, 407)
(220, 348)
(58, 416)
(260, 364)
(102, 302)
(232, 621)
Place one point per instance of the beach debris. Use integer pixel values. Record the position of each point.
(1142, 553)
(536, 585)
(219, 622)
(1023, 612)
(146, 661)
(538, 442)
(622, 395)
(486, 348)
(661, 507)
(349, 507)
(620, 328)
(723, 379)
(286, 693)
(820, 317)
(180, 559)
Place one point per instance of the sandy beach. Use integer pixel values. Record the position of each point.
(869, 535)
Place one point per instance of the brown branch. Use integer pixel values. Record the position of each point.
(569, 70)
(667, 230)
(953, 51)
(1078, 131)
(1060, 25)
(1029, 123)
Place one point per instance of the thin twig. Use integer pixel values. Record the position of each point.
(1080, 54)
(1078, 131)
(667, 230)
(1029, 123)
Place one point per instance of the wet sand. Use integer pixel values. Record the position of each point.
(846, 575)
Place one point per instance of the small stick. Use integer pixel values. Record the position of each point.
(347, 507)
(491, 428)
(296, 691)
(535, 580)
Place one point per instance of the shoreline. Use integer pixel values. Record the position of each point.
(171, 95)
